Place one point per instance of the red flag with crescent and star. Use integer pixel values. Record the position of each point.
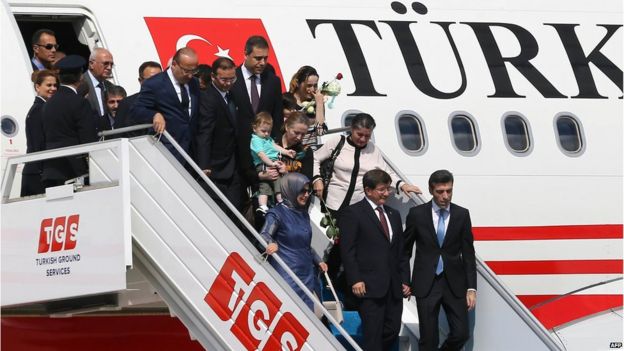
(210, 37)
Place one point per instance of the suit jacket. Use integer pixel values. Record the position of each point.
(35, 137)
(270, 100)
(368, 256)
(87, 84)
(67, 120)
(123, 118)
(457, 250)
(219, 144)
(158, 95)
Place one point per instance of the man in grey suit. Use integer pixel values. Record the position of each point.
(100, 69)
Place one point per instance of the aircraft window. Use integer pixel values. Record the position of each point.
(517, 134)
(348, 116)
(465, 134)
(411, 133)
(569, 134)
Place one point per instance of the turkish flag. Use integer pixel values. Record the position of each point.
(210, 37)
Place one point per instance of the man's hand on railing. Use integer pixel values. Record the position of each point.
(158, 123)
(207, 172)
(410, 188)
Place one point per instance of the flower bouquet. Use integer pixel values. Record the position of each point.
(329, 222)
(332, 89)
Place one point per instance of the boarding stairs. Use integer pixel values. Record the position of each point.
(142, 209)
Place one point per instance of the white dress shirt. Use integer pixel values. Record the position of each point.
(385, 215)
(247, 74)
(178, 90)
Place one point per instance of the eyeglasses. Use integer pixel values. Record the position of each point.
(48, 46)
(383, 190)
(106, 63)
(306, 191)
(191, 71)
(226, 80)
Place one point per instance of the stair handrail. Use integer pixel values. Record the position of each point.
(14, 161)
(487, 274)
(258, 237)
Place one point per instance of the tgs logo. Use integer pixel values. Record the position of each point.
(58, 233)
(253, 309)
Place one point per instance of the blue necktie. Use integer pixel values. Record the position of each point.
(440, 234)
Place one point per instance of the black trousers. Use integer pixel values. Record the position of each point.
(32, 185)
(456, 311)
(381, 321)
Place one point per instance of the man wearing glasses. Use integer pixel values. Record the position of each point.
(170, 100)
(100, 69)
(371, 245)
(221, 148)
(44, 49)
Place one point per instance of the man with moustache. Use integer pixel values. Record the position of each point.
(371, 246)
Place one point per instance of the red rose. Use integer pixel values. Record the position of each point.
(339, 76)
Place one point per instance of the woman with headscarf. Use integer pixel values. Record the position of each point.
(288, 232)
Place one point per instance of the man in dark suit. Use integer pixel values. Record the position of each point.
(257, 88)
(221, 148)
(371, 245)
(44, 49)
(444, 267)
(171, 99)
(124, 118)
(95, 80)
(67, 120)
(114, 96)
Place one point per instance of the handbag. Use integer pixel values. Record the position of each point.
(327, 166)
(333, 307)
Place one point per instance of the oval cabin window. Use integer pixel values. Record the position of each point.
(517, 134)
(569, 134)
(464, 133)
(411, 133)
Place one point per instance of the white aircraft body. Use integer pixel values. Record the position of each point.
(521, 100)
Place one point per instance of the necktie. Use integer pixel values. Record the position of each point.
(384, 224)
(230, 104)
(255, 97)
(185, 98)
(103, 97)
(440, 234)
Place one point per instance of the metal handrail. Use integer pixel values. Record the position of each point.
(258, 237)
(106, 133)
(494, 282)
(12, 162)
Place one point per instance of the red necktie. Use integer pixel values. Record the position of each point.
(384, 224)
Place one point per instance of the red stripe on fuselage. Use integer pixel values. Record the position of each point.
(556, 267)
(569, 308)
(603, 231)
